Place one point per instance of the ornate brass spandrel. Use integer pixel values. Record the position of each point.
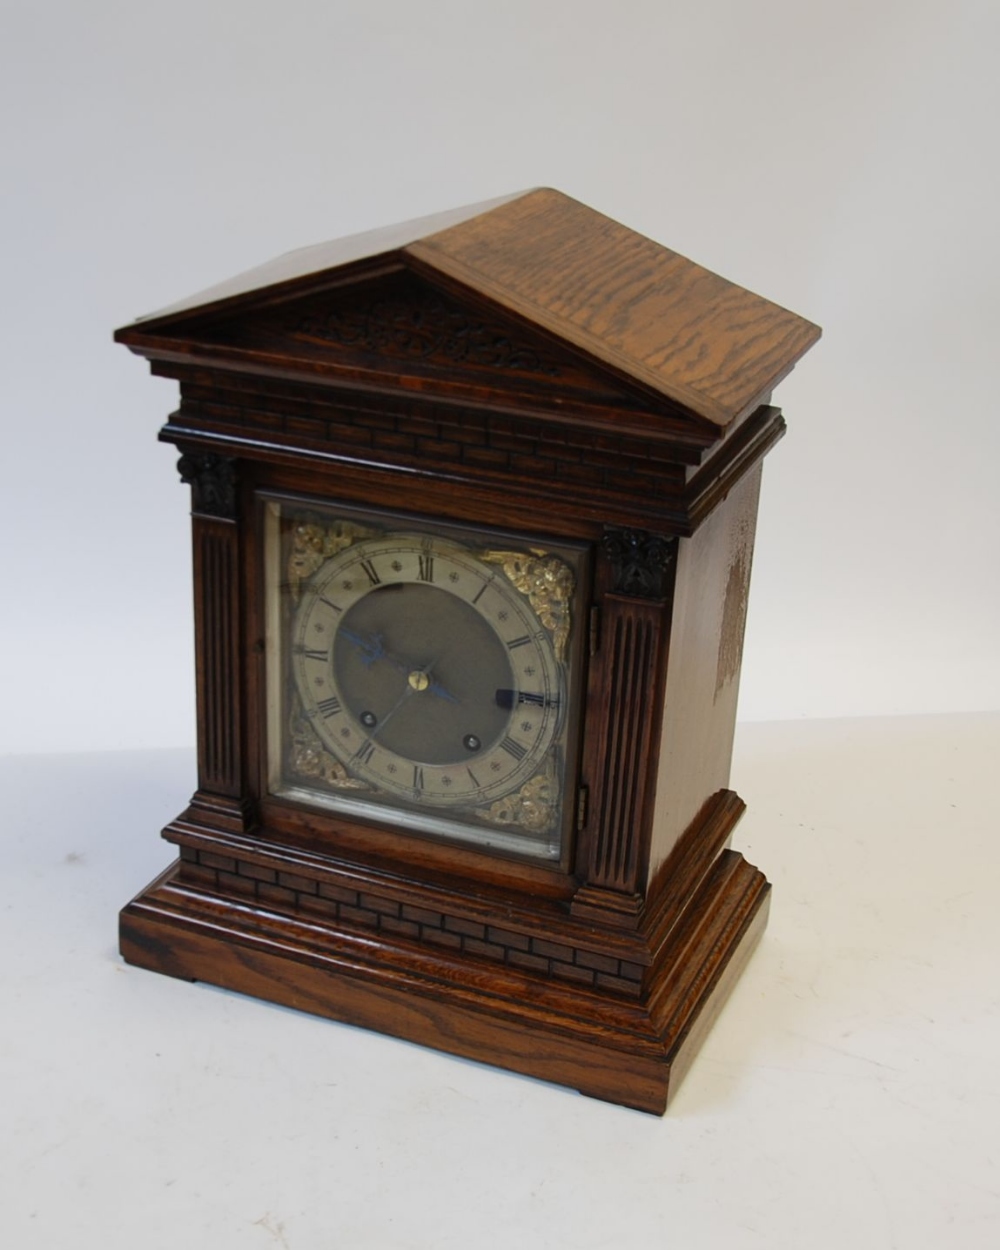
(309, 758)
(314, 542)
(533, 807)
(547, 582)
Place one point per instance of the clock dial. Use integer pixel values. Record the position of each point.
(427, 676)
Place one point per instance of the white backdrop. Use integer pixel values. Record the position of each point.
(840, 159)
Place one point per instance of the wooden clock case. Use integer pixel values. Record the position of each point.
(530, 365)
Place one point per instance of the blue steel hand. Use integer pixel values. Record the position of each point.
(373, 648)
(433, 686)
(441, 692)
(410, 688)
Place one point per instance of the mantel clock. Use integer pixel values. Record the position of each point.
(473, 507)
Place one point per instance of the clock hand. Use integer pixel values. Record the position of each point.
(421, 679)
(372, 648)
(407, 691)
(442, 692)
(435, 687)
(416, 680)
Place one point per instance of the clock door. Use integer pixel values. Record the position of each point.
(423, 675)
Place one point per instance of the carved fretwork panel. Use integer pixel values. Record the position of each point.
(411, 321)
(400, 325)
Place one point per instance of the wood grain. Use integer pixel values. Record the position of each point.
(626, 684)
(629, 1053)
(690, 335)
(652, 318)
(289, 272)
(702, 675)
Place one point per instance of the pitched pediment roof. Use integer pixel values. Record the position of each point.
(638, 311)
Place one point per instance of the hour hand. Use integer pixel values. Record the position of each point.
(442, 692)
(421, 679)
(370, 646)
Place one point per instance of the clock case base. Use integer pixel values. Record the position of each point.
(628, 1050)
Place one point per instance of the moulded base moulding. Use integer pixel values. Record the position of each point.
(625, 1050)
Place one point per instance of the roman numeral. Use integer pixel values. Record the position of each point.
(330, 707)
(481, 591)
(473, 778)
(514, 748)
(365, 752)
(314, 655)
(418, 777)
(518, 642)
(330, 605)
(370, 573)
(426, 573)
(532, 699)
(529, 698)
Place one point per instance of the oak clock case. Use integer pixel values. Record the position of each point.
(422, 675)
(473, 504)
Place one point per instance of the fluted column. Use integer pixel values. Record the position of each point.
(635, 575)
(216, 559)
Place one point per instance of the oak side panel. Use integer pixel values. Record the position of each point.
(703, 668)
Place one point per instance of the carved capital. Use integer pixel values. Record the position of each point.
(639, 561)
(212, 480)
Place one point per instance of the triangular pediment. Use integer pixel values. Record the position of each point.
(531, 295)
(398, 330)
